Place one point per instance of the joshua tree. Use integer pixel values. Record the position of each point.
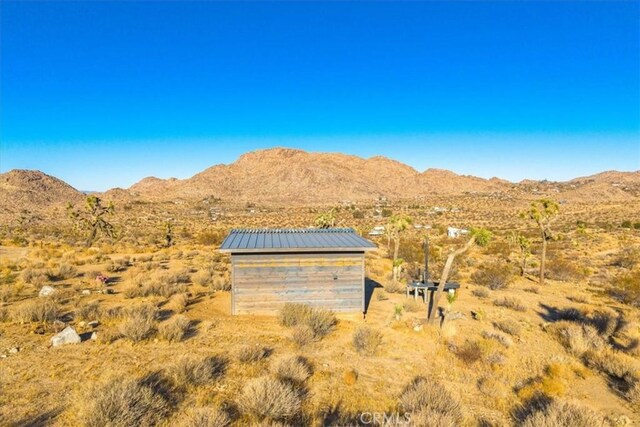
(524, 246)
(92, 218)
(542, 212)
(168, 234)
(479, 237)
(396, 226)
(326, 219)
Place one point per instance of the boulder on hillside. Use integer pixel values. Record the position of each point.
(67, 336)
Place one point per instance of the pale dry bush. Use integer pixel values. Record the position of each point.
(180, 302)
(123, 402)
(511, 303)
(413, 305)
(367, 340)
(624, 368)
(174, 329)
(394, 287)
(269, 398)
(499, 337)
(193, 371)
(494, 275)
(510, 327)
(470, 352)
(302, 335)
(564, 270)
(87, 311)
(564, 414)
(139, 322)
(252, 353)
(295, 369)
(204, 417)
(577, 338)
(428, 399)
(319, 320)
(63, 272)
(33, 276)
(45, 310)
(480, 293)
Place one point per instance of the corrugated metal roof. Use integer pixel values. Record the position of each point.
(294, 239)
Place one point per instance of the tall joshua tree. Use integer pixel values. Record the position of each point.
(542, 212)
(479, 237)
(92, 219)
(396, 226)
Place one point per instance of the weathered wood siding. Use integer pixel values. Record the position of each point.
(263, 283)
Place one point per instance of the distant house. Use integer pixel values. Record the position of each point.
(378, 230)
(318, 267)
(454, 233)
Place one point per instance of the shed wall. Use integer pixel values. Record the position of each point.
(263, 283)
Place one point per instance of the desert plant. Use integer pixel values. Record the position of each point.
(563, 414)
(510, 327)
(498, 336)
(252, 353)
(205, 417)
(510, 302)
(626, 288)
(480, 293)
(577, 338)
(412, 305)
(33, 277)
(196, 371)
(367, 340)
(319, 320)
(174, 329)
(87, 311)
(295, 369)
(269, 398)
(139, 322)
(542, 212)
(395, 228)
(524, 247)
(92, 218)
(326, 219)
(43, 310)
(470, 352)
(495, 275)
(564, 270)
(123, 402)
(424, 397)
(63, 272)
(302, 335)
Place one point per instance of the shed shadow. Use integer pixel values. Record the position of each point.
(369, 286)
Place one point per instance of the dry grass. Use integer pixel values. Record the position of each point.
(577, 338)
(123, 402)
(510, 327)
(139, 322)
(302, 335)
(470, 352)
(494, 275)
(367, 340)
(267, 398)
(429, 400)
(195, 371)
(320, 321)
(564, 414)
(511, 303)
(252, 353)
(204, 417)
(295, 369)
(45, 310)
(174, 329)
(503, 339)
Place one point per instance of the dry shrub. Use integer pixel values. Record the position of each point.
(626, 288)
(510, 327)
(87, 311)
(164, 285)
(510, 302)
(490, 385)
(269, 398)
(192, 371)
(350, 377)
(470, 352)
(108, 335)
(577, 338)
(295, 369)
(367, 340)
(430, 402)
(203, 278)
(495, 275)
(563, 414)
(63, 272)
(302, 335)
(44, 310)
(413, 305)
(480, 293)
(498, 336)
(139, 322)
(174, 329)
(564, 270)
(628, 258)
(252, 353)
(625, 369)
(532, 289)
(205, 417)
(394, 287)
(33, 277)
(180, 302)
(124, 402)
(221, 283)
(319, 320)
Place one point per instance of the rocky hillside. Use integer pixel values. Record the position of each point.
(34, 191)
(296, 176)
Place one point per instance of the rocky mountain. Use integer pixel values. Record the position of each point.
(290, 176)
(296, 176)
(34, 191)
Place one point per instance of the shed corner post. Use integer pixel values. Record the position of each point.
(233, 285)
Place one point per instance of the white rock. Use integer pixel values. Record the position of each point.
(46, 291)
(94, 336)
(67, 336)
(86, 292)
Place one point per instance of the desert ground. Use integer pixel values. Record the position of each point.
(159, 346)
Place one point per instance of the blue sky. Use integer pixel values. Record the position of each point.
(102, 94)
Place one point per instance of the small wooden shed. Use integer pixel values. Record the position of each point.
(318, 267)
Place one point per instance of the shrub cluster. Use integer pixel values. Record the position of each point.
(320, 321)
(193, 371)
(269, 398)
(430, 403)
(495, 275)
(367, 340)
(139, 322)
